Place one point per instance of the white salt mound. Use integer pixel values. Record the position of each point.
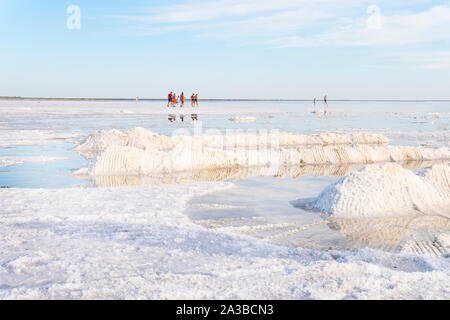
(138, 137)
(387, 190)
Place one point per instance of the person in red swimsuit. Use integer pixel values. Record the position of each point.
(169, 100)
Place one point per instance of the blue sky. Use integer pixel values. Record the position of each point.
(227, 48)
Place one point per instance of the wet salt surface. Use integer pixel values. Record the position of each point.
(262, 208)
(296, 117)
(257, 206)
(48, 175)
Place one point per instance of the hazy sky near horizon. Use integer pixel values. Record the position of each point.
(378, 49)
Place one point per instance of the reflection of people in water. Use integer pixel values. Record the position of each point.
(173, 117)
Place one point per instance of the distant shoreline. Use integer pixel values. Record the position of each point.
(219, 99)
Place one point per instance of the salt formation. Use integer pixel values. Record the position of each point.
(141, 152)
(387, 190)
(118, 160)
(138, 137)
(142, 138)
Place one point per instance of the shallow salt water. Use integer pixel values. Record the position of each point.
(48, 175)
(259, 206)
(53, 128)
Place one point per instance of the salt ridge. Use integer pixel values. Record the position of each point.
(143, 138)
(142, 152)
(118, 160)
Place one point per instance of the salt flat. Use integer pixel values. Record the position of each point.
(135, 243)
(95, 236)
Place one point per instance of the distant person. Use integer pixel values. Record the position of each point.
(325, 100)
(174, 100)
(182, 99)
(169, 100)
(192, 100)
(196, 99)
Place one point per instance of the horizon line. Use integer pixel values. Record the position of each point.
(215, 99)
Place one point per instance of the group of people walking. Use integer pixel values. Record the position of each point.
(325, 100)
(174, 100)
(325, 111)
